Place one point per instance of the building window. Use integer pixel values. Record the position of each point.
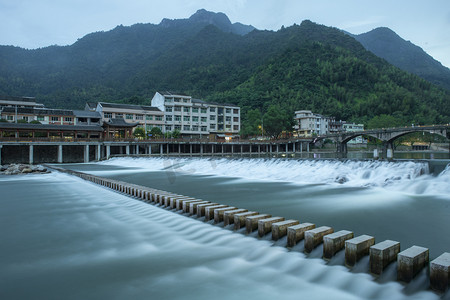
(203, 128)
(203, 110)
(228, 127)
(186, 119)
(177, 108)
(195, 110)
(177, 127)
(204, 119)
(169, 118)
(228, 110)
(169, 108)
(228, 119)
(10, 118)
(168, 100)
(119, 116)
(177, 100)
(129, 116)
(107, 115)
(212, 127)
(236, 127)
(139, 117)
(148, 117)
(55, 119)
(236, 111)
(186, 109)
(212, 117)
(194, 119)
(212, 109)
(235, 119)
(194, 128)
(25, 118)
(68, 119)
(168, 128)
(186, 128)
(158, 118)
(40, 118)
(185, 100)
(178, 118)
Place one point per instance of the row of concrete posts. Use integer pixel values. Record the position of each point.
(410, 261)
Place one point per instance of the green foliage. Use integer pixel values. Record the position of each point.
(276, 121)
(139, 132)
(35, 122)
(3, 121)
(156, 132)
(21, 121)
(252, 124)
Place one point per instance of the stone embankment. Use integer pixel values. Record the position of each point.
(323, 240)
(15, 169)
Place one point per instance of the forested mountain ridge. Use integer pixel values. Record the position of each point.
(385, 43)
(307, 66)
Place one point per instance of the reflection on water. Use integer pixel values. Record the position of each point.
(64, 238)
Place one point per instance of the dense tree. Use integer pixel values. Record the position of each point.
(276, 121)
(156, 132)
(139, 132)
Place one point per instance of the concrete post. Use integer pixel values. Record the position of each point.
(307, 147)
(301, 147)
(411, 261)
(251, 222)
(209, 211)
(201, 149)
(219, 213)
(31, 156)
(127, 149)
(228, 216)
(179, 148)
(356, 248)
(287, 148)
(99, 152)
(137, 149)
(232, 149)
(193, 206)
(201, 208)
(222, 149)
(161, 149)
(240, 218)
(296, 233)
(382, 254)
(108, 151)
(1, 146)
(265, 225)
(279, 229)
(190, 149)
(335, 242)
(440, 273)
(150, 149)
(167, 148)
(278, 148)
(314, 237)
(86, 153)
(293, 147)
(375, 154)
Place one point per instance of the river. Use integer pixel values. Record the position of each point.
(64, 238)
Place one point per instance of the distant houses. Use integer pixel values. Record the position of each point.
(309, 124)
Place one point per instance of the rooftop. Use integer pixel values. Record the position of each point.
(129, 106)
(38, 111)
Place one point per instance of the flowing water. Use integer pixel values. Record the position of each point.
(65, 238)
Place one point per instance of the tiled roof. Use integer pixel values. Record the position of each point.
(129, 106)
(119, 122)
(38, 111)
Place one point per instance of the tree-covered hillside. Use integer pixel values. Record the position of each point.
(305, 66)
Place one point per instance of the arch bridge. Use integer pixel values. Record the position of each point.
(386, 135)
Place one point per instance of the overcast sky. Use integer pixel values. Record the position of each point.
(40, 23)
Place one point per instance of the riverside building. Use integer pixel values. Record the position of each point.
(309, 123)
(195, 118)
(143, 116)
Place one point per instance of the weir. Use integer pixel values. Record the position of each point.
(410, 262)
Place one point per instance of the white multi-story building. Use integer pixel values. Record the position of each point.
(196, 117)
(352, 127)
(309, 123)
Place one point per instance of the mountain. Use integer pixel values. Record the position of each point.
(385, 43)
(202, 16)
(307, 66)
